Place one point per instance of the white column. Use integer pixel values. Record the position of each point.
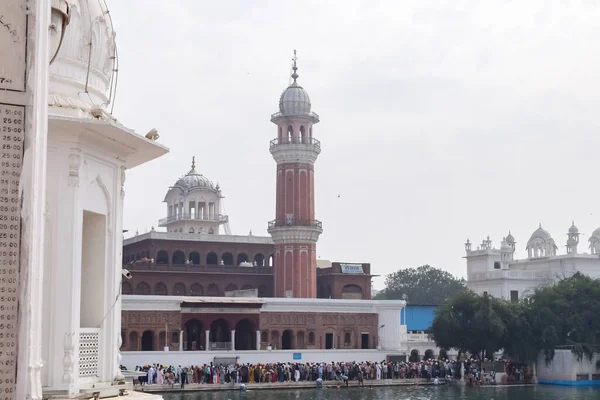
(207, 340)
(181, 340)
(257, 340)
(33, 186)
(233, 339)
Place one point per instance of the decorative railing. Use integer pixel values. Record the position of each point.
(220, 346)
(211, 269)
(198, 237)
(508, 274)
(295, 222)
(89, 349)
(186, 216)
(417, 337)
(310, 114)
(312, 142)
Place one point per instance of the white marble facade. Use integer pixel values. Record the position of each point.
(88, 153)
(495, 272)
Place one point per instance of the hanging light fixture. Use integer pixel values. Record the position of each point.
(59, 19)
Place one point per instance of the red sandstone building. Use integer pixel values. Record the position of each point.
(186, 283)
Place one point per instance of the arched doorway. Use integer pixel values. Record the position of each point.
(196, 290)
(245, 335)
(194, 258)
(287, 340)
(179, 257)
(414, 356)
(162, 257)
(227, 259)
(160, 289)
(179, 289)
(148, 341)
(212, 259)
(443, 355)
(193, 330)
(142, 288)
(259, 259)
(275, 339)
(220, 335)
(428, 354)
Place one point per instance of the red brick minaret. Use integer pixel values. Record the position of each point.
(295, 230)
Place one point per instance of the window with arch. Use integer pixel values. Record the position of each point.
(290, 134)
(126, 288)
(162, 257)
(212, 259)
(212, 290)
(179, 289)
(241, 258)
(179, 257)
(194, 258)
(271, 260)
(191, 230)
(211, 231)
(303, 138)
(259, 259)
(160, 289)
(347, 339)
(311, 338)
(196, 290)
(142, 288)
(231, 287)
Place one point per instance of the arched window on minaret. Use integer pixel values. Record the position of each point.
(290, 134)
(303, 135)
(280, 135)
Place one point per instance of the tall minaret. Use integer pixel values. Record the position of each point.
(295, 230)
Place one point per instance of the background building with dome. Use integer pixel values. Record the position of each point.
(495, 271)
(203, 293)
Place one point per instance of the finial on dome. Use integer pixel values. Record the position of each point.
(295, 68)
(540, 225)
(193, 162)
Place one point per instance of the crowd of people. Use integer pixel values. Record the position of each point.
(343, 372)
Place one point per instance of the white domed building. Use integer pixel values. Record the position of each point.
(496, 272)
(88, 154)
(194, 205)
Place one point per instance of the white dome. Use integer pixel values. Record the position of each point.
(294, 101)
(510, 239)
(573, 228)
(595, 234)
(540, 233)
(87, 54)
(194, 180)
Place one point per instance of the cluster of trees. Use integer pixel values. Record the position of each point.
(424, 285)
(566, 315)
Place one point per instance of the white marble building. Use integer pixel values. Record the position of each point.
(74, 164)
(496, 272)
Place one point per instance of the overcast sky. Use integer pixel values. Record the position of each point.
(440, 121)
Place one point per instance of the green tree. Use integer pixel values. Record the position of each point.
(422, 285)
(469, 322)
(566, 314)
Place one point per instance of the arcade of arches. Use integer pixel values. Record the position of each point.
(245, 328)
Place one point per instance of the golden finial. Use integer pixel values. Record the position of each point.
(194, 162)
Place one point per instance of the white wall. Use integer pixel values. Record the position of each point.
(565, 367)
(133, 358)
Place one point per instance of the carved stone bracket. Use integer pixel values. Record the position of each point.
(74, 167)
(123, 177)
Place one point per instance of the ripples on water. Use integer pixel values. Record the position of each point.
(540, 392)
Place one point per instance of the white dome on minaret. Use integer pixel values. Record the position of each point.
(294, 101)
(82, 75)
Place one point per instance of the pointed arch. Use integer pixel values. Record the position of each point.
(196, 290)
(142, 288)
(242, 257)
(303, 138)
(178, 257)
(160, 289)
(194, 258)
(227, 258)
(162, 257)
(179, 289)
(212, 258)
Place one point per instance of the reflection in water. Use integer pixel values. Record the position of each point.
(540, 392)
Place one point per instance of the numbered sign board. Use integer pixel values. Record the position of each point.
(13, 44)
(12, 125)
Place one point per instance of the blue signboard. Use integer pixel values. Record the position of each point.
(297, 356)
